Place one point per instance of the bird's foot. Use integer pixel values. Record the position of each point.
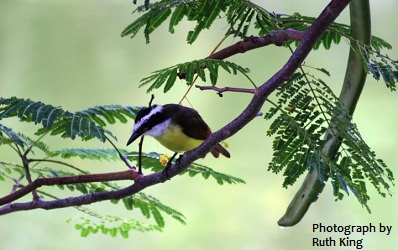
(165, 171)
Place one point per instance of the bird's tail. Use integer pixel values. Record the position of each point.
(218, 149)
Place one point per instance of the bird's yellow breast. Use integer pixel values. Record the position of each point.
(174, 139)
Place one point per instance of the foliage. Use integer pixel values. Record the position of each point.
(86, 124)
(381, 65)
(305, 109)
(242, 17)
(110, 225)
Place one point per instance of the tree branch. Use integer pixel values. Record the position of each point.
(277, 37)
(63, 180)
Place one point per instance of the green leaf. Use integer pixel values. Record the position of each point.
(86, 124)
(188, 70)
(171, 78)
(128, 203)
(109, 225)
(333, 34)
(158, 217)
(158, 18)
(193, 34)
(199, 70)
(179, 12)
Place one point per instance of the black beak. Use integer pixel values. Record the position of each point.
(134, 136)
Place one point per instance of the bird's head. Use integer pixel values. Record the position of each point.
(146, 120)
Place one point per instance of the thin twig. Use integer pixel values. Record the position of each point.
(121, 156)
(25, 163)
(226, 89)
(276, 37)
(59, 162)
(196, 77)
(140, 154)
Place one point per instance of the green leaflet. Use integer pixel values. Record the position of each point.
(177, 16)
(13, 137)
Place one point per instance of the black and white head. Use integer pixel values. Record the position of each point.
(150, 121)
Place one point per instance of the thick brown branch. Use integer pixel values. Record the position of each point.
(277, 37)
(63, 180)
(152, 179)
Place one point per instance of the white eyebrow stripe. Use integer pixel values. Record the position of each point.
(145, 118)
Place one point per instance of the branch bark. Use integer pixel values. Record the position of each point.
(64, 180)
(277, 37)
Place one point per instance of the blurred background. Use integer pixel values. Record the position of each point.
(70, 53)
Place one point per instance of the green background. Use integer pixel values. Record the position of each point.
(70, 53)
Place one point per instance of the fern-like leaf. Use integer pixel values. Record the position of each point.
(86, 124)
(333, 34)
(206, 172)
(155, 207)
(304, 110)
(381, 67)
(168, 75)
(109, 225)
(241, 15)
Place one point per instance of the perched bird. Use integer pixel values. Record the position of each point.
(176, 127)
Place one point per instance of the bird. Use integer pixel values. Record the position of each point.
(176, 127)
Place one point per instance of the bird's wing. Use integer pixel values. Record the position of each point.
(190, 118)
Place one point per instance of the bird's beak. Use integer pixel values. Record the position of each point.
(134, 136)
